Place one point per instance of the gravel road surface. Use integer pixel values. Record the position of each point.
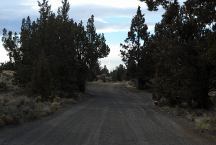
(113, 115)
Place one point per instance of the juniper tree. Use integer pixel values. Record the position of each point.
(97, 47)
(134, 45)
(181, 50)
(54, 54)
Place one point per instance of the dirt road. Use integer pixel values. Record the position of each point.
(112, 116)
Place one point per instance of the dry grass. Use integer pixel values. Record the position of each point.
(18, 109)
(6, 78)
(15, 107)
(206, 123)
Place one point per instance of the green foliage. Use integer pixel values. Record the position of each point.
(97, 48)
(6, 66)
(104, 70)
(119, 73)
(10, 42)
(206, 123)
(41, 77)
(54, 55)
(179, 58)
(132, 48)
(181, 69)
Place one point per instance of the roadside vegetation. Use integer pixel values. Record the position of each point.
(119, 73)
(17, 106)
(178, 60)
(51, 58)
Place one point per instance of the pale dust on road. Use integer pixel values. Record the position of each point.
(112, 116)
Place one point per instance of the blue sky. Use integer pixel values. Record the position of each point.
(112, 17)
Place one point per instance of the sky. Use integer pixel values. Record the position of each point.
(112, 17)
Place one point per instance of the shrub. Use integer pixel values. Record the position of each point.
(206, 123)
(3, 86)
(54, 106)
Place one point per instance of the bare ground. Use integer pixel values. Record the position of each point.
(113, 115)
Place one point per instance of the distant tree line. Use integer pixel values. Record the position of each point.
(7, 66)
(119, 73)
(54, 55)
(180, 57)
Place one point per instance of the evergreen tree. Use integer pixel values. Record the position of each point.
(180, 51)
(54, 54)
(10, 42)
(96, 49)
(105, 70)
(119, 73)
(134, 45)
(41, 79)
(63, 11)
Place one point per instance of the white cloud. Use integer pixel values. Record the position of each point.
(151, 28)
(11, 9)
(85, 11)
(33, 4)
(108, 3)
(111, 30)
(100, 20)
(114, 58)
(120, 28)
(3, 54)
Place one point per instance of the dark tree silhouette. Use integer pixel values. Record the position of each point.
(119, 73)
(54, 55)
(178, 57)
(134, 46)
(96, 49)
